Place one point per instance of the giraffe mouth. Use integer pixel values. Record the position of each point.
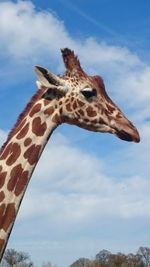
(129, 137)
(124, 136)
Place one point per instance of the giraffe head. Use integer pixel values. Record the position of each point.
(83, 100)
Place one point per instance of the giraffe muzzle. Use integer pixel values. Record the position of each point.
(129, 134)
(128, 137)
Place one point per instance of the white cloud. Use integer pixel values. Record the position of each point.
(73, 187)
(101, 53)
(32, 33)
(133, 88)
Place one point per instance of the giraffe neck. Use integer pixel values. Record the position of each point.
(19, 156)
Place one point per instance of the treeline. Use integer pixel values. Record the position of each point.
(107, 259)
(104, 258)
(13, 258)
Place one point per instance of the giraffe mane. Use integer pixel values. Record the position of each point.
(35, 97)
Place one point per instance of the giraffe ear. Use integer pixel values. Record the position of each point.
(46, 78)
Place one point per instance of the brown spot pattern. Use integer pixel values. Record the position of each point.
(9, 216)
(2, 178)
(100, 120)
(32, 154)
(49, 111)
(2, 242)
(35, 109)
(110, 108)
(38, 128)
(94, 121)
(80, 103)
(22, 183)
(61, 110)
(107, 112)
(2, 209)
(80, 111)
(46, 102)
(86, 120)
(2, 196)
(23, 132)
(18, 180)
(91, 112)
(74, 105)
(118, 116)
(27, 141)
(56, 118)
(6, 151)
(67, 100)
(14, 152)
(15, 174)
(68, 107)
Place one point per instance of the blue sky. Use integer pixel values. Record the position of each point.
(89, 191)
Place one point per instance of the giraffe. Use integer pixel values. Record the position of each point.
(74, 98)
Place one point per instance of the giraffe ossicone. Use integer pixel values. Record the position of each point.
(74, 98)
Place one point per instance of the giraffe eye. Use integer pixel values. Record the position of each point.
(89, 93)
